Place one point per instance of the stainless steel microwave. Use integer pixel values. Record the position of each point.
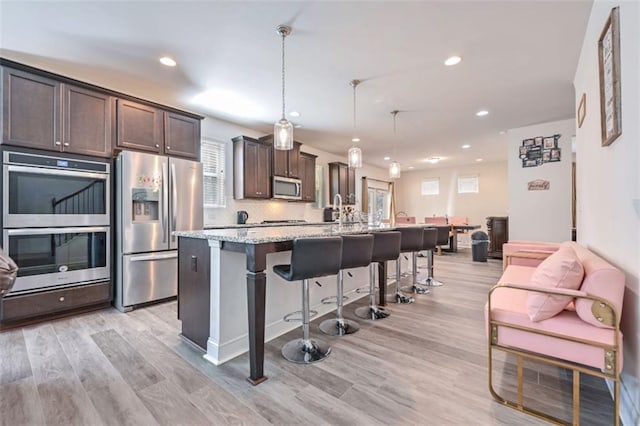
(287, 188)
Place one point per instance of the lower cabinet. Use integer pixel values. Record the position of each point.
(194, 277)
(27, 306)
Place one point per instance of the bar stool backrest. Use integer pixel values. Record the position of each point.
(411, 239)
(386, 246)
(429, 238)
(443, 235)
(314, 257)
(356, 251)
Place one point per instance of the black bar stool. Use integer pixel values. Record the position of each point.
(356, 253)
(428, 244)
(442, 239)
(386, 246)
(310, 258)
(411, 242)
(444, 232)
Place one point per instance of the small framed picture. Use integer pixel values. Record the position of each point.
(582, 109)
(555, 155)
(527, 142)
(538, 141)
(529, 163)
(549, 143)
(523, 151)
(546, 156)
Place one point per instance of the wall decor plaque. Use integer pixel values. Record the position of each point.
(538, 185)
(609, 72)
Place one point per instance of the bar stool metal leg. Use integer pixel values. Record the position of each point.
(372, 312)
(431, 282)
(399, 297)
(339, 326)
(305, 350)
(416, 287)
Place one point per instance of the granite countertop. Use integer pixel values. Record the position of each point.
(279, 233)
(265, 225)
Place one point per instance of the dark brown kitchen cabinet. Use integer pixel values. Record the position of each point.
(308, 176)
(498, 230)
(43, 113)
(285, 163)
(251, 168)
(181, 135)
(194, 283)
(140, 127)
(342, 180)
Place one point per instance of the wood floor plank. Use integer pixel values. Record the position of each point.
(169, 406)
(112, 397)
(224, 408)
(20, 403)
(133, 368)
(15, 362)
(62, 396)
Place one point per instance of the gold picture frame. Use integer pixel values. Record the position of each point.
(582, 110)
(609, 73)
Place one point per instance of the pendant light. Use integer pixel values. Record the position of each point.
(394, 167)
(355, 153)
(283, 129)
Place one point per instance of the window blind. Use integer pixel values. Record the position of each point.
(212, 155)
(468, 184)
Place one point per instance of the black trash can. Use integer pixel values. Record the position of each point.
(479, 246)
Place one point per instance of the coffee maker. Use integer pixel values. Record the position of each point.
(329, 214)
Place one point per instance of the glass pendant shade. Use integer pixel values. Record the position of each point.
(394, 170)
(283, 135)
(355, 157)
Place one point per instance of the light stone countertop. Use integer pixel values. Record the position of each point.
(271, 234)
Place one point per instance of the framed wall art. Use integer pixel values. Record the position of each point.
(539, 150)
(609, 72)
(582, 110)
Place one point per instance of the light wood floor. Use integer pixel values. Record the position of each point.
(426, 365)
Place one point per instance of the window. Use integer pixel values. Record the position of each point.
(212, 154)
(431, 186)
(379, 201)
(468, 185)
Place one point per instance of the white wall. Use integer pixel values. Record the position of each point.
(540, 215)
(608, 181)
(490, 201)
(271, 210)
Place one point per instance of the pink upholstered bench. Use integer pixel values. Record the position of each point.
(559, 304)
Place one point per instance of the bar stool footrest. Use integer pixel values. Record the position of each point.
(288, 317)
(330, 300)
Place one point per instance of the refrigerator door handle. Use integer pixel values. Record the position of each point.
(174, 197)
(153, 257)
(164, 207)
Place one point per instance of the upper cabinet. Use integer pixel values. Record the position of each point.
(342, 180)
(308, 176)
(46, 111)
(251, 168)
(285, 163)
(140, 127)
(43, 113)
(146, 128)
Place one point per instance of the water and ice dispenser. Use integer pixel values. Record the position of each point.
(145, 205)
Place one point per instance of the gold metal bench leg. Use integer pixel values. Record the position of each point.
(576, 397)
(520, 383)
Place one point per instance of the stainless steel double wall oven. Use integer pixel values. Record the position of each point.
(55, 219)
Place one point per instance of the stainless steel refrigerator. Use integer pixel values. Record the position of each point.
(155, 195)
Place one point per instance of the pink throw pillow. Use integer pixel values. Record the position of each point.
(562, 269)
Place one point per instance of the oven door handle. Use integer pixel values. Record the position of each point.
(153, 257)
(56, 172)
(40, 231)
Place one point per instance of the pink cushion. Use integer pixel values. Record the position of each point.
(562, 269)
(436, 220)
(601, 279)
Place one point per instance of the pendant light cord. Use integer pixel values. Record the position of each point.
(354, 109)
(283, 36)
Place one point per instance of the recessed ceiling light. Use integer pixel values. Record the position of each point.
(433, 160)
(466, 146)
(294, 114)
(387, 158)
(482, 113)
(452, 60)
(410, 167)
(502, 132)
(355, 139)
(165, 60)
(297, 126)
(478, 159)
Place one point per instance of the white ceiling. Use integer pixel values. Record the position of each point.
(519, 59)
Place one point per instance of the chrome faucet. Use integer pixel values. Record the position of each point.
(339, 197)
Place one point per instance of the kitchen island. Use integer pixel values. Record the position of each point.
(215, 295)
